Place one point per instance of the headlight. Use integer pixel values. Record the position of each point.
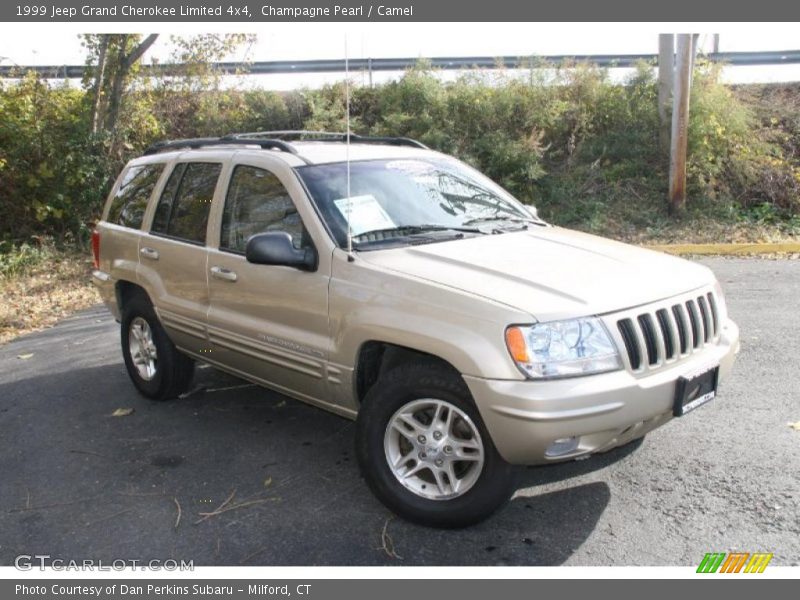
(563, 348)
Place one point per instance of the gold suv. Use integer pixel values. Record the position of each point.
(397, 286)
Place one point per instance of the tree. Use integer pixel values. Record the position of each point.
(189, 96)
(113, 58)
(129, 51)
(98, 82)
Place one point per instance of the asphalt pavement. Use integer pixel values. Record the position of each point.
(77, 482)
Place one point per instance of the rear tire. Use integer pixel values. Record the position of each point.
(424, 450)
(157, 368)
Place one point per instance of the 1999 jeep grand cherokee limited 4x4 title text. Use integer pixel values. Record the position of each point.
(463, 333)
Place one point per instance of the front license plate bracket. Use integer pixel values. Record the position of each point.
(692, 392)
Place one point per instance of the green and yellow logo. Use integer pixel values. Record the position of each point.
(735, 562)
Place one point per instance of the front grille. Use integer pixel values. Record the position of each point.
(669, 332)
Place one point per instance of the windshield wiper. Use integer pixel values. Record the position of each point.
(406, 230)
(461, 228)
(507, 218)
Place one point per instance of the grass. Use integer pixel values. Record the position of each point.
(39, 285)
(697, 226)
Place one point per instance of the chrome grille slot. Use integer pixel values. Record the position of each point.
(712, 304)
(701, 303)
(649, 335)
(628, 333)
(680, 323)
(693, 323)
(666, 332)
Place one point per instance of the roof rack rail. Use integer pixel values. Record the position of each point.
(244, 140)
(282, 134)
(333, 136)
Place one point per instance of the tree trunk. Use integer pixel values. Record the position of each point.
(126, 62)
(666, 71)
(680, 124)
(115, 93)
(99, 80)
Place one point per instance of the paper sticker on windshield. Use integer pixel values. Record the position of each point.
(366, 214)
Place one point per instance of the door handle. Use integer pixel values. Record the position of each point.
(150, 253)
(223, 273)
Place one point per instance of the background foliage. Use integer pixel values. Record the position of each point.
(580, 147)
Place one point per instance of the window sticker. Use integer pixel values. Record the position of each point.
(366, 214)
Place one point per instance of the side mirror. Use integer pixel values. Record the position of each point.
(276, 248)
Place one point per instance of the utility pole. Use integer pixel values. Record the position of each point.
(666, 71)
(680, 123)
(695, 41)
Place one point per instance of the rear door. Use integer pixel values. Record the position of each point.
(268, 322)
(173, 254)
(120, 229)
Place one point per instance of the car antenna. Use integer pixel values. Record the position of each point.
(350, 256)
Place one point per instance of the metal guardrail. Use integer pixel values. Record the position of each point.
(399, 64)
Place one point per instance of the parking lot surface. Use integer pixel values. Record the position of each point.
(77, 482)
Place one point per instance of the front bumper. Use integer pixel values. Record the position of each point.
(524, 418)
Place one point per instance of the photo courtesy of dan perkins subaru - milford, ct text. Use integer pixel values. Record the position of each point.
(111, 589)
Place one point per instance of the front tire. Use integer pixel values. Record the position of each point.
(157, 368)
(424, 450)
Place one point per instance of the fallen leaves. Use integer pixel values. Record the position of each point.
(122, 412)
(25, 356)
(45, 294)
(795, 425)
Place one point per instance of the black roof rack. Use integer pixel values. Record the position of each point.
(333, 136)
(243, 139)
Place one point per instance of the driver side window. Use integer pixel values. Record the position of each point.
(258, 202)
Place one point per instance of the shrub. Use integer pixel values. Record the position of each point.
(51, 173)
(580, 146)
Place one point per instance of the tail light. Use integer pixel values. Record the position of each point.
(96, 248)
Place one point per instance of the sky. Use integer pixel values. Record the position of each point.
(58, 44)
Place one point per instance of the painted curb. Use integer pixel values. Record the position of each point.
(728, 249)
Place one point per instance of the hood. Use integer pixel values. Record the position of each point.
(551, 273)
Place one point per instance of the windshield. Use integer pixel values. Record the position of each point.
(394, 200)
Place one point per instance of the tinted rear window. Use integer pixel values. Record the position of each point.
(188, 201)
(130, 202)
(164, 206)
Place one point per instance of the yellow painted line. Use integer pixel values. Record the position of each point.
(728, 249)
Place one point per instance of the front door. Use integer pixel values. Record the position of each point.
(267, 322)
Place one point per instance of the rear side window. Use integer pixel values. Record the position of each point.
(129, 203)
(164, 206)
(182, 211)
(257, 202)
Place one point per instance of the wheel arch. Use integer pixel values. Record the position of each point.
(124, 290)
(376, 357)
